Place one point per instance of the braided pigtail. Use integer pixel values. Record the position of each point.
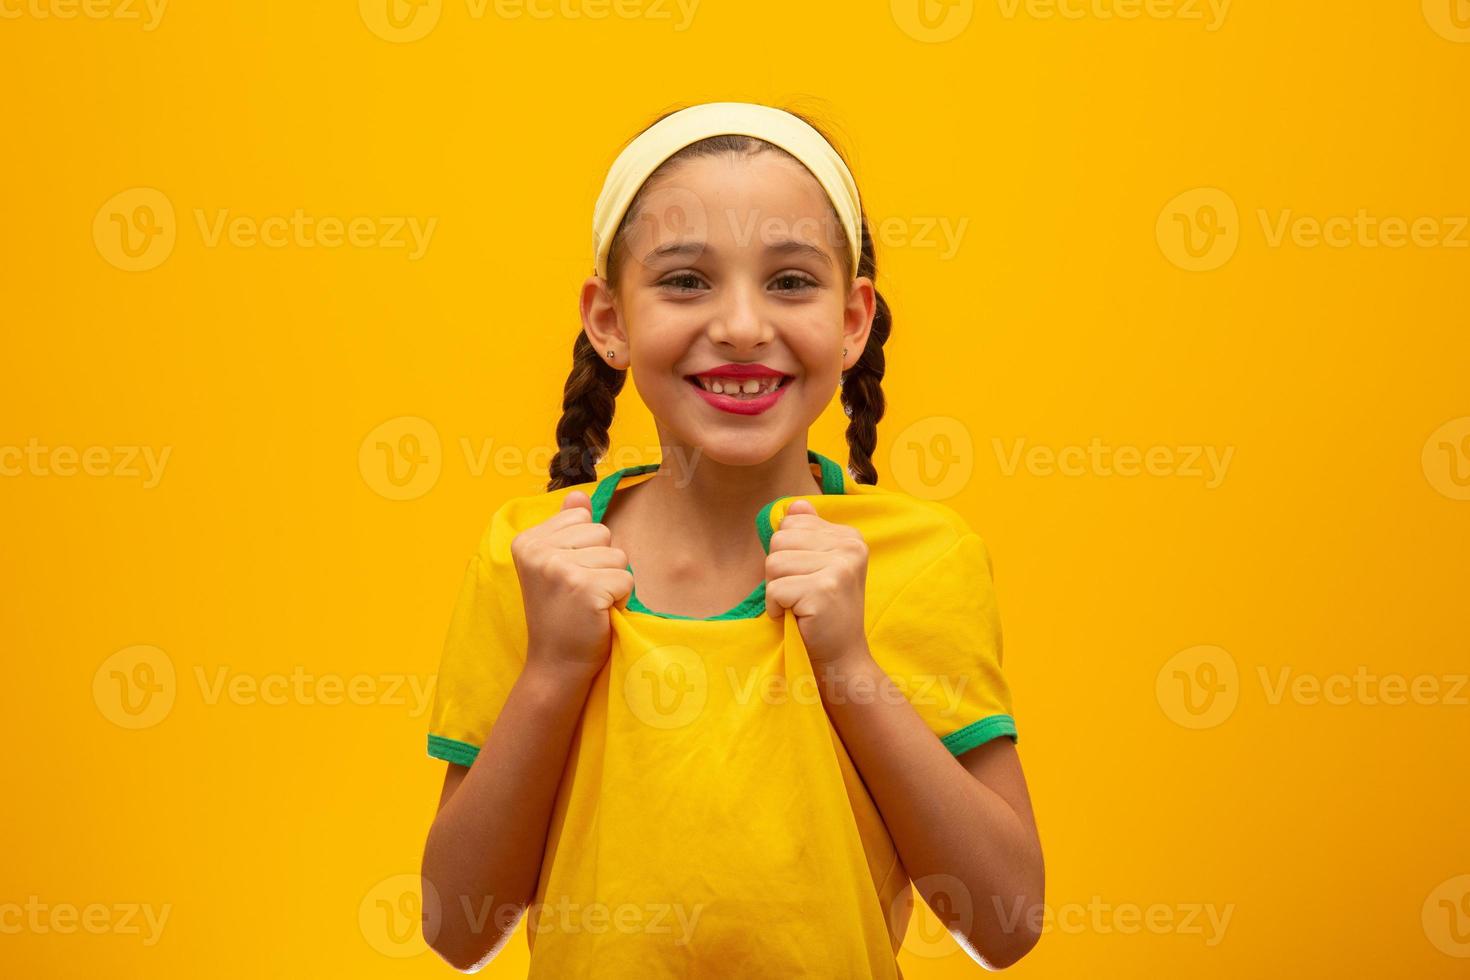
(862, 384)
(593, 386)
(587, 409)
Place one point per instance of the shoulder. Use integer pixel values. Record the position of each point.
(898, 527)
(517, 514)
(906, 537)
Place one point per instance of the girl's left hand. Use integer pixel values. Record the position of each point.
(819, 570)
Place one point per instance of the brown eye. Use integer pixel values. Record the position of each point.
(681, 282)
(795, 283)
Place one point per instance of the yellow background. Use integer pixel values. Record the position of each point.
(274, 833)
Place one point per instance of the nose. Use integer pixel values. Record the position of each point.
(739, 320)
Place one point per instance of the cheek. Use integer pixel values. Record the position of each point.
(817, 343)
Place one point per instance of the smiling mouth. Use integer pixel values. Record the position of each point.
(738, 388)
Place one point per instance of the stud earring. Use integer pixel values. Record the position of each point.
(609, 355)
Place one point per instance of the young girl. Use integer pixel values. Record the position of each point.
(737, 767)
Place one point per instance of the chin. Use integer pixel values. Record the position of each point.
(734, 448)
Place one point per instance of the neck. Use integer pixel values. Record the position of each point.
(713, 505)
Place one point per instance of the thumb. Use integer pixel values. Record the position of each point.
(576, 498)
(801, 507)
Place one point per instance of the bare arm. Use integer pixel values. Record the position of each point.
(963, 826)
(484, 850)
(483, 855)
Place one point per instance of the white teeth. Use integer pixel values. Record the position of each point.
(732, 387)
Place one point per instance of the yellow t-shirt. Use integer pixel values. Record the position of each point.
(709, 822)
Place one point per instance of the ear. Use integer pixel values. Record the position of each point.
(857, 318)
(603, 321)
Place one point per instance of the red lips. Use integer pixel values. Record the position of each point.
(740, 372)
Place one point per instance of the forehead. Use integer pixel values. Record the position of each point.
(764, 197)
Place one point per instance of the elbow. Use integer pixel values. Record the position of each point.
(467, 953)
(1008, 950)
(469, 942)
(460, 960)
(1003, 940)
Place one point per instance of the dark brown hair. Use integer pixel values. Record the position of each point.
(592, 387)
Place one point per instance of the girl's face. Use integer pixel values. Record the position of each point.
(732, 262)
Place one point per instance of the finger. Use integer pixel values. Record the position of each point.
(612, 585)
(774, 594)
(804, 538)
(577, 498)
(781, 594)
(566, 517)
(795, 561)
(581, 535)
(599, 557)
(788, 591)
(801, 512)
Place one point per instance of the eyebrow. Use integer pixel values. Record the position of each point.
(786, 246)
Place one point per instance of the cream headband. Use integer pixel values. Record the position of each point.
(672, 133)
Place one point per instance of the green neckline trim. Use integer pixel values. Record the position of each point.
(753, 605)
(979, 732)
(459, 753)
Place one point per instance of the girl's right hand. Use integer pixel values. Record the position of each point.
(570, 577)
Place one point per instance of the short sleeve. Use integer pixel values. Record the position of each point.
(484, 652)
(939, 639)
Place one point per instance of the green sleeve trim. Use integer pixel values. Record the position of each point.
(459, 753)
(979, 732)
